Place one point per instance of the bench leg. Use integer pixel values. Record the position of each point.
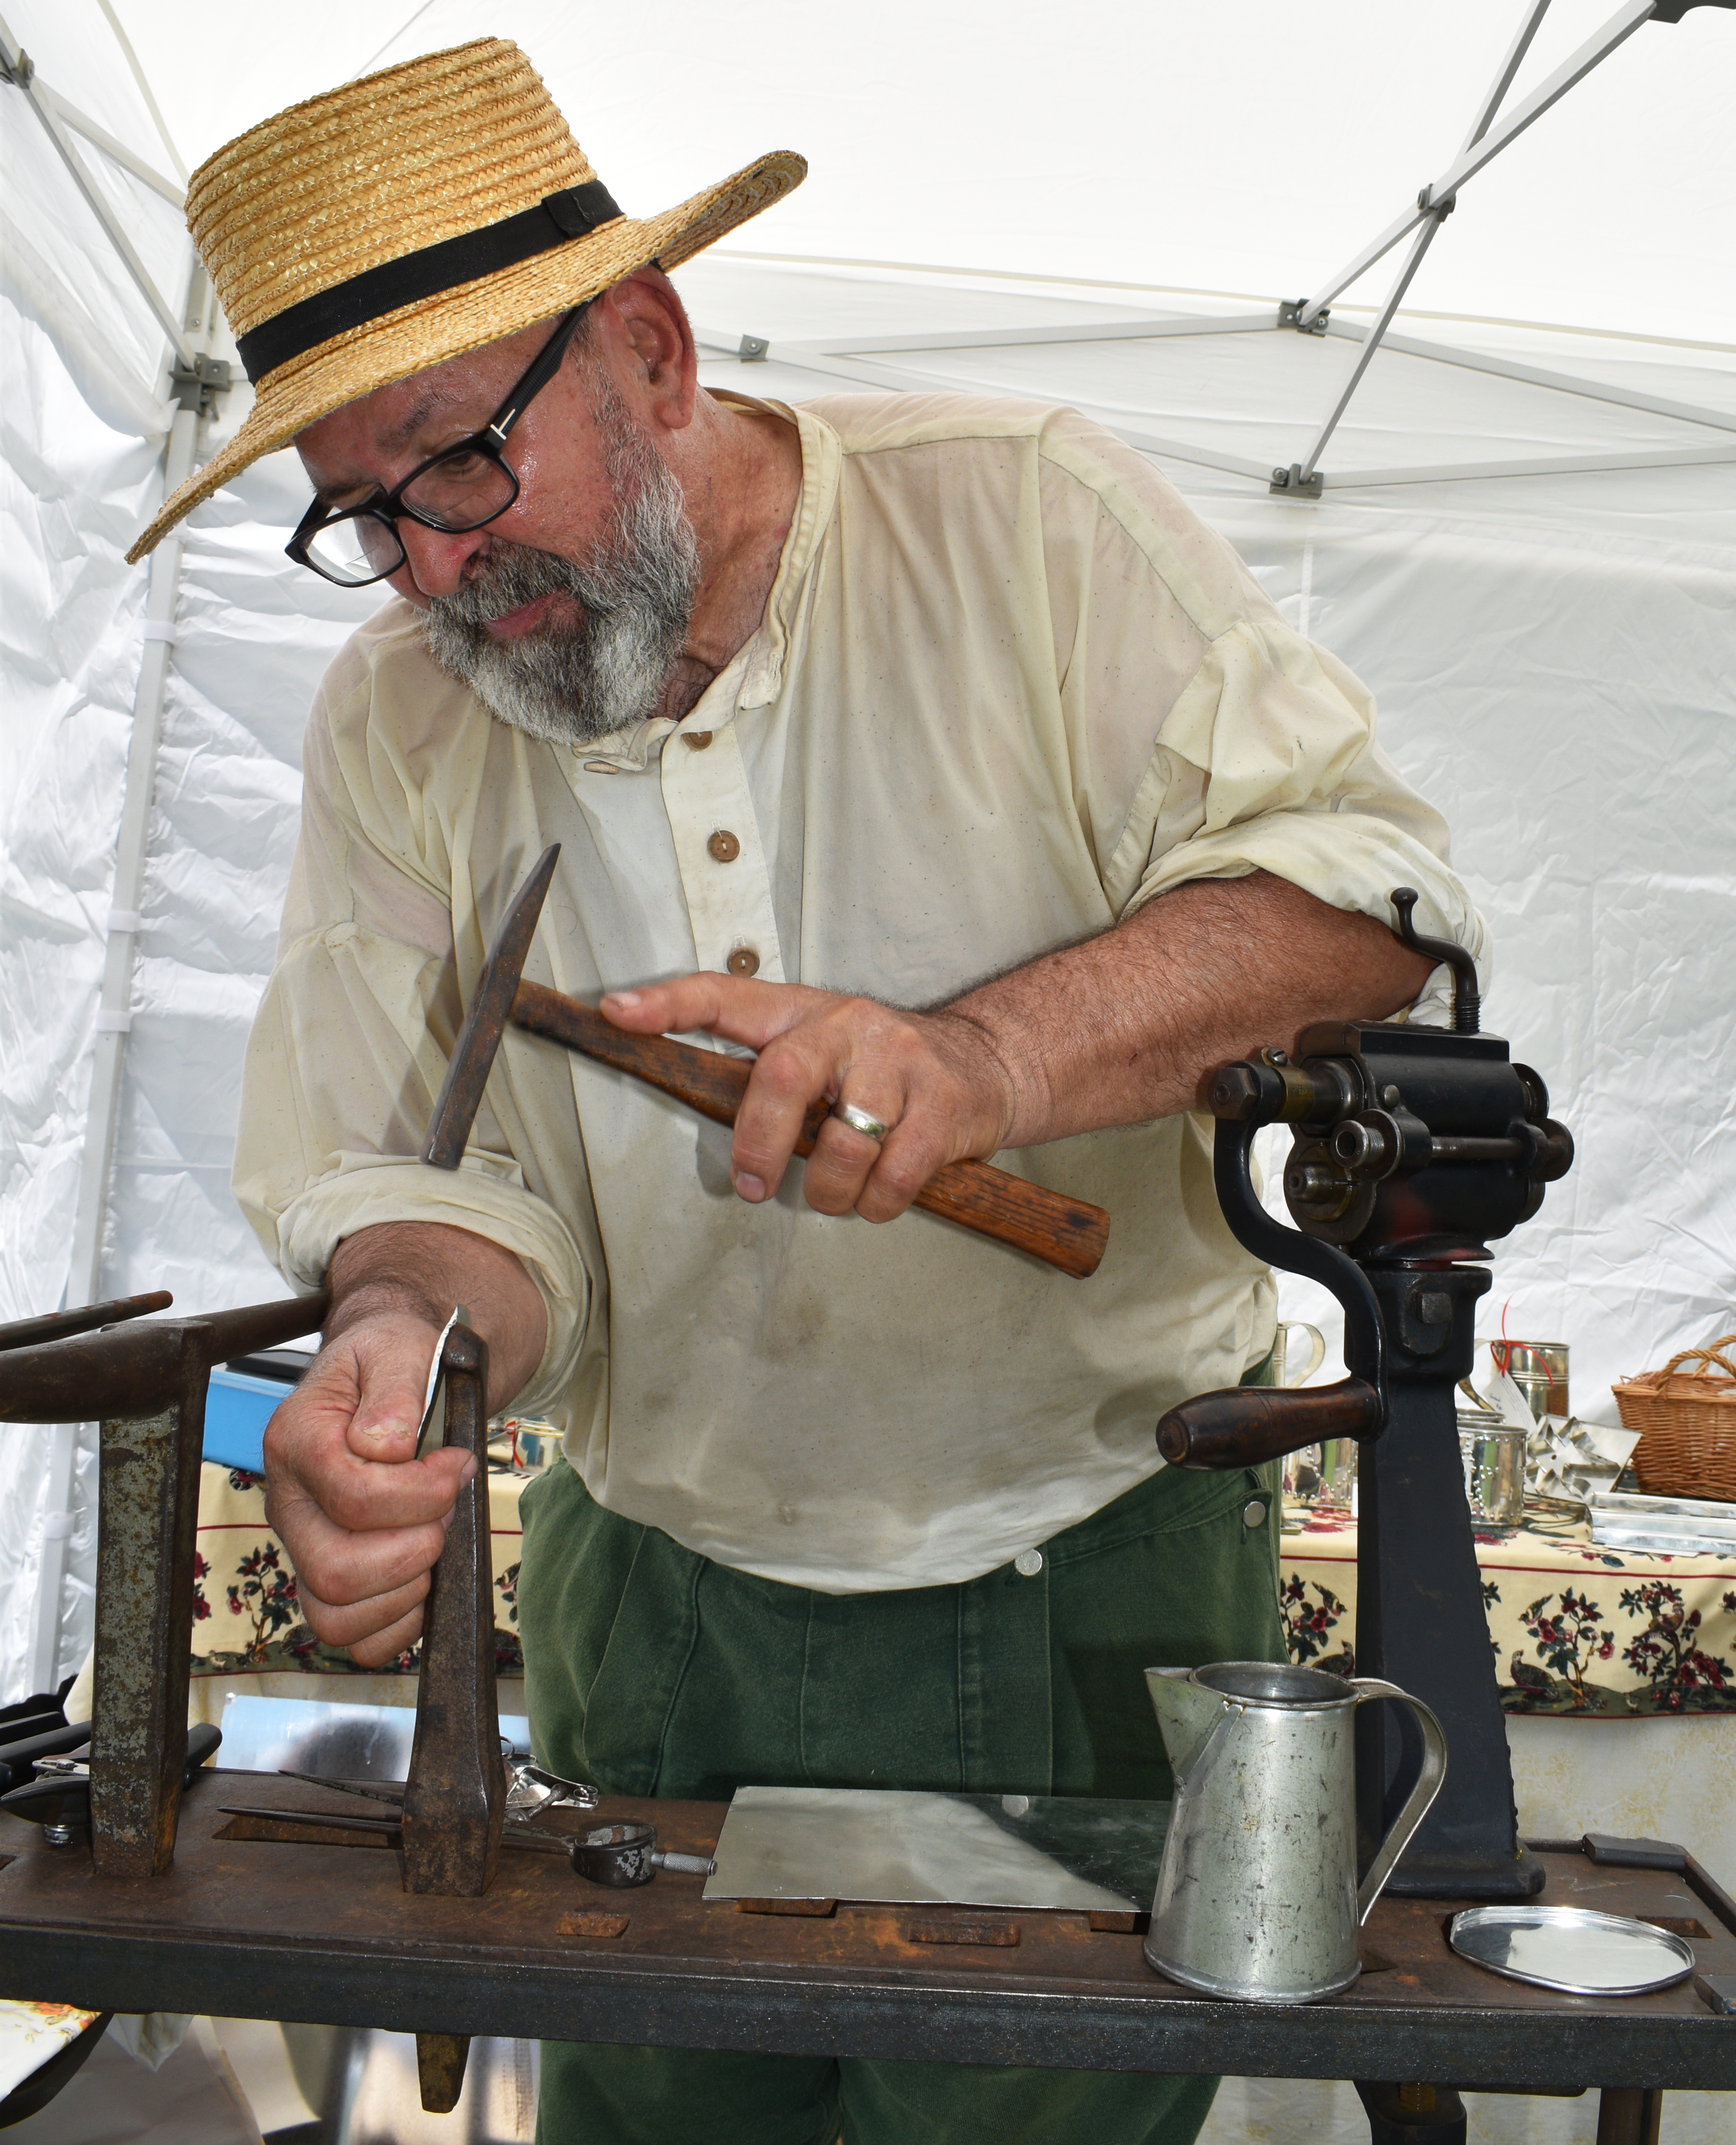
(1409, 2114)
(1629, 2115)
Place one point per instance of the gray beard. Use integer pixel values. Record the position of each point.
(572, 683)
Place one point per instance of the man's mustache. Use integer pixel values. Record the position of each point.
(516, 575)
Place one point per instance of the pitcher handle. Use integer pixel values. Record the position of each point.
(1429, 1779)
(1292, 1377)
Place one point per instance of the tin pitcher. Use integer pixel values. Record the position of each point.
(1257, 1896)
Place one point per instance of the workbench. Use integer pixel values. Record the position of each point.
(545, 1954)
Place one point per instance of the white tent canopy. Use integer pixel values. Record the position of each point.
(1130, 199)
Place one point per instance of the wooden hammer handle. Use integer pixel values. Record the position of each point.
(1064, 1232)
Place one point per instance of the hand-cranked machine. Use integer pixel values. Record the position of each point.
(1412, 1146)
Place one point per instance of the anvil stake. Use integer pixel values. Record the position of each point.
(1064, 1232)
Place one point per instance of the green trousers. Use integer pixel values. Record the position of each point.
(653, 1671)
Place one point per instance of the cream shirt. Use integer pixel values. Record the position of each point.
(1008, 689)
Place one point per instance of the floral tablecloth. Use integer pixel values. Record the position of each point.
(1576, 1629)
(245, 1616)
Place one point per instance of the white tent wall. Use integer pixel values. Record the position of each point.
(1551, 654)
(82, 425)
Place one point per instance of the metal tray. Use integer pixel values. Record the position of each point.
(1574, 1949)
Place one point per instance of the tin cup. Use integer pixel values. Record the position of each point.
(1494, 1458)
(1539, 1368)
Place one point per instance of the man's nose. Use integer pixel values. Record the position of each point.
(436, 558)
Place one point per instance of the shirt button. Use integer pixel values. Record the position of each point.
(725, 846)
(1253, 1513)
(743, 962)
(1028, 1563)
(696, 740)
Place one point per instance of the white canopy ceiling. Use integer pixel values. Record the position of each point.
(1550, 651)
(1249, 147)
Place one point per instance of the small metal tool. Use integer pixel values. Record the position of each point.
(58, 1798)
(621, 1855)
(432, 1431)
(534, 1788)
(511, 1835)
(1066, 1233)
(529, 1788)
(616, 1854)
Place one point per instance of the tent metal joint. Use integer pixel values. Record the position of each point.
(1293, 483)
(197, 385)
(1289, 316)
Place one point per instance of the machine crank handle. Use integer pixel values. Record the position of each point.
(1246, 1424)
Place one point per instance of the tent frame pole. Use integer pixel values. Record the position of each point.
(862, 364)
(1483, 147)
(114, 1020)
(16, 67)
(1309, 317)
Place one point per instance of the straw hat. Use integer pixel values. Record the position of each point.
(407, 218)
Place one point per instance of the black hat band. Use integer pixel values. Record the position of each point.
(573, 213)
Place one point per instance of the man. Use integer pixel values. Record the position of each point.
(881, 704)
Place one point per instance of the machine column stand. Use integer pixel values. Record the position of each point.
(1420, 1617)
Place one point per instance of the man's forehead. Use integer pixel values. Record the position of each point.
(392, 416)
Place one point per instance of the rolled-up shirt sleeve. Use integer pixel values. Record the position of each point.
(1261, 757)
(346, 1055)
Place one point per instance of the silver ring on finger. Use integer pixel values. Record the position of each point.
(860, 1120)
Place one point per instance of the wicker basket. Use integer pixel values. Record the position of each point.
(1686, 1425)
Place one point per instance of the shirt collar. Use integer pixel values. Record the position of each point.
(822, 460)
(754, 675)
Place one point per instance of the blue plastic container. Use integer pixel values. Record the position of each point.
(237, 1408)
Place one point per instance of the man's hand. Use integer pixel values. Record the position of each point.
(1117, 1030)
(934, 1079)
(363, 1519)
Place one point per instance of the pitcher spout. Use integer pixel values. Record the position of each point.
(1186, 1713)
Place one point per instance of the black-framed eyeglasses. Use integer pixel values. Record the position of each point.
(464, 486)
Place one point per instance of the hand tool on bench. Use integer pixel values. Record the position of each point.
(1411, 1146)
(529, 1789)
(1067, 1233)
(58, 1798)
(612, 1855)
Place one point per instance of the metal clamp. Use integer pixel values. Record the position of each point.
(1292, 484)
(197, 386)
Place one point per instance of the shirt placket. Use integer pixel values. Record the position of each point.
(725, 873)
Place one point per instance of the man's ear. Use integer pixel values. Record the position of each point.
(645, 337)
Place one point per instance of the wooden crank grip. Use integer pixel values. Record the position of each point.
(1066, 1233)
(1248, 1424)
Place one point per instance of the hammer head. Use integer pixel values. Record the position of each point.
(473, 1057)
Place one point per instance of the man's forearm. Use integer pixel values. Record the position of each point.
(1122, 1028)
(424, 1268)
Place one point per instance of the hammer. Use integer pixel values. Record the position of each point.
(1065, 1232)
